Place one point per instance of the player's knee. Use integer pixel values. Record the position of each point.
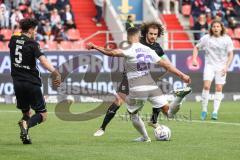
(218, 88)
(206, 87)
(44, 116)
(165, 109)
(118, 101)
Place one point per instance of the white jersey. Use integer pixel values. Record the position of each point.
(137, 60)
(216, 49)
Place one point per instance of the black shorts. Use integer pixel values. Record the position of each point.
(28, 96)
(124, 88)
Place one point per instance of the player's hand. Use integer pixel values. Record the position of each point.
(186, 79)
(90, 46)
(56, 79)
(195, 62)
(224, 71)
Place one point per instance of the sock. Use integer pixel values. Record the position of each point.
(112, 110)
(217, 101)
(35, 120)
(205, 95)
(139, 125)
(155, 113)
(26, 115)
(175, 105)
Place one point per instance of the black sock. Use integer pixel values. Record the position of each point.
(26, 115)
(34, 120)
(155, 113)
(109, 115)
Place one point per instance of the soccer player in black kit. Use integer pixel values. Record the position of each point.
(150, 32)
(24, 51)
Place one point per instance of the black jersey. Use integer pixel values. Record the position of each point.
(155, 46)
(23, 52)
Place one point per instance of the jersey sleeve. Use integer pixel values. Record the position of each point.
(159, 51)
(202, 42)
(36, 50)
(230, 46)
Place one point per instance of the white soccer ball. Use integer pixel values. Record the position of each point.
(162, 133)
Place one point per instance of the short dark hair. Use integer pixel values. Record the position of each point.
(145, 28)
(132, 31)
(27, 23)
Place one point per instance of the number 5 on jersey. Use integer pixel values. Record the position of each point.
(18, 54)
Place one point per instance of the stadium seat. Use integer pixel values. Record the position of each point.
(230, 32)
(236, 43)
(77, 45)
(52, 45)
(66, 45)
(186, 10)
(7, 34)
(73, 34)
(237, 32)
(4, 46)
(52, 1)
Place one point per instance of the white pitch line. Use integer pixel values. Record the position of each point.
(189, 121)
(215, 122)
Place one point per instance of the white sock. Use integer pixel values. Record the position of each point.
(139, 125)
(175, 105)
(205, 96)
(217, 101)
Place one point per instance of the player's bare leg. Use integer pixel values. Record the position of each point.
(205, 97)
(217, 101)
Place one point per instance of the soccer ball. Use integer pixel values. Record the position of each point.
(162, 133)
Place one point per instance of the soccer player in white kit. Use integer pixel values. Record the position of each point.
(218, 48)
(141, 86)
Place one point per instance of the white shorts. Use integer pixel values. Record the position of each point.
(136, 100)
(211, 72)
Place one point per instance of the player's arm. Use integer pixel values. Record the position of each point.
(229, 61)
(46, 64)
(108, 52)
(230, 58)
(195, 54)
(169, 67)
(56, 76)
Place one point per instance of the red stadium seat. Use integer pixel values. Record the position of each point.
(52, 45)
(236, 43)
(237, 32)
(230, 32)
(52, 1)
(4, 46)
(77, 45)
(66, 45)
(7, 34)
(73, 34)
(186, 10)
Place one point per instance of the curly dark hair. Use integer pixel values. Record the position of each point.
(27, 23)
(145, 28)
(222, 26)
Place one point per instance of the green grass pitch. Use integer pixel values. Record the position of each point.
(60, 140)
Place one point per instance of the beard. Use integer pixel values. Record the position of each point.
(151, 40)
